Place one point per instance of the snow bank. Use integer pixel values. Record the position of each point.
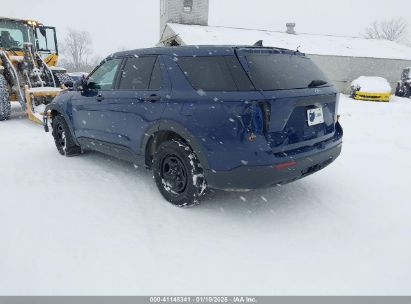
(371, 84)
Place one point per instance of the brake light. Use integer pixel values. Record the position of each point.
(285, 165)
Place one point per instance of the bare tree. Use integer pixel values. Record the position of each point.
(77, 50)
(393, 30)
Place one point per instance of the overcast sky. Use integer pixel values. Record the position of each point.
(128, 24)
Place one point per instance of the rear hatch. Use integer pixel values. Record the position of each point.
(299, 103)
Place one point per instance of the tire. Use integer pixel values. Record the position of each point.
(5, 105)
(63, 139)
(178, 174)
(62, 78)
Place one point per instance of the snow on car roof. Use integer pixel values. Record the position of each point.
(371, 84)
(307, 43)
(78, 74)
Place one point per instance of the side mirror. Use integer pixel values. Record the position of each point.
(92, 86)
(80, 85)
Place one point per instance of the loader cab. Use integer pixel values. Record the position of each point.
(15, 33)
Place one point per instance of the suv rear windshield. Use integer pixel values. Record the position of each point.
(215, 73)
(283, 71)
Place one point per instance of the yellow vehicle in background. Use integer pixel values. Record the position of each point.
(371, 88)
(28, 72)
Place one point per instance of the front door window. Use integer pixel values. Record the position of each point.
(103, 78)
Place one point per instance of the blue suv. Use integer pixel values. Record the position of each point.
(230, 118)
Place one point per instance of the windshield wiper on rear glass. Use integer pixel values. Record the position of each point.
(317, 83)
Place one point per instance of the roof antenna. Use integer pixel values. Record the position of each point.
(258, 43)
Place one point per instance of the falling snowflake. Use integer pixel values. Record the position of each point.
(201, 92)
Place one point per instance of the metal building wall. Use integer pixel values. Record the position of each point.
(343, 70)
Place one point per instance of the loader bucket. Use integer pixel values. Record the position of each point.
(37, 99)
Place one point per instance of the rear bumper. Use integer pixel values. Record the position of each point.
(249, 178)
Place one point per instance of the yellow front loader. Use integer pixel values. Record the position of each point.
(28, 72)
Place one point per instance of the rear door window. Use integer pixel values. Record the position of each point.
(141, 73)
(103, 77)
(215, 73)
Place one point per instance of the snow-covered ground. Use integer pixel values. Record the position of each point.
(96, 225)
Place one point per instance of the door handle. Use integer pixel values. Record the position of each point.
(100, 97)
(152, 98)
